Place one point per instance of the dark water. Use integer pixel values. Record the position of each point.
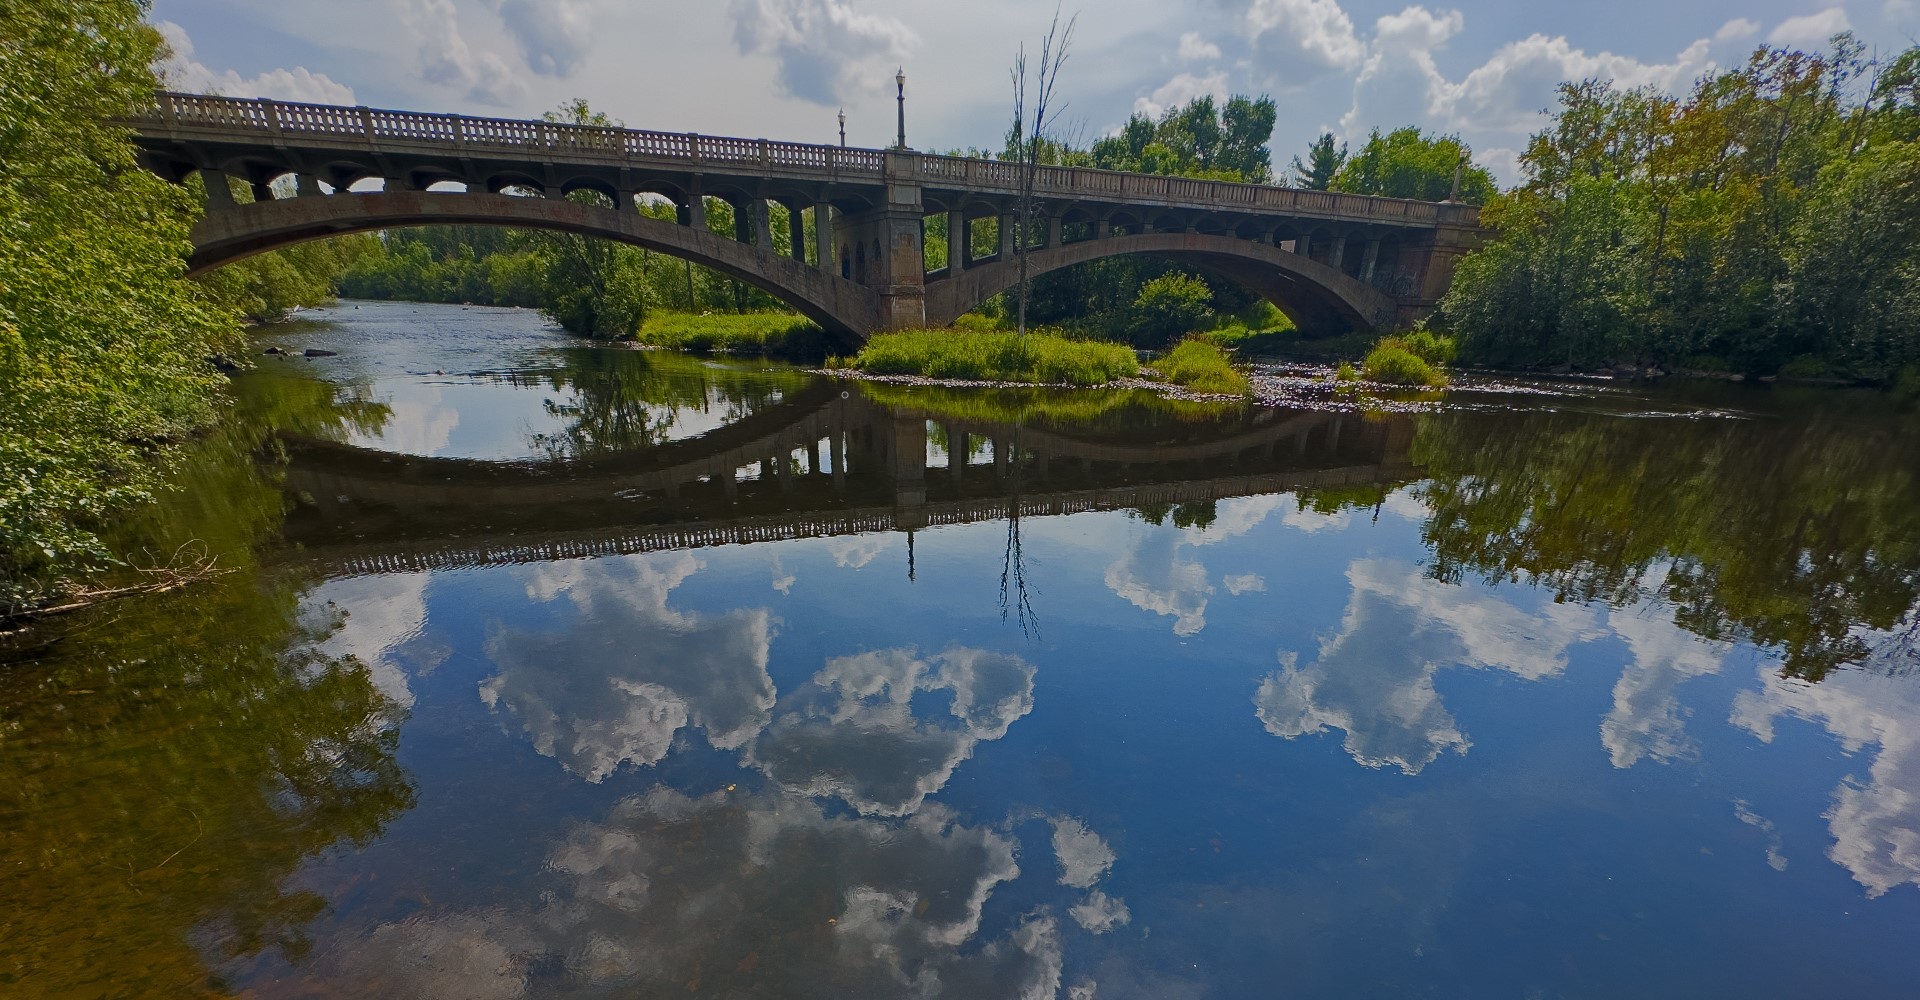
(549, 670)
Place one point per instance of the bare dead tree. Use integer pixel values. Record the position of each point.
(1029, 142)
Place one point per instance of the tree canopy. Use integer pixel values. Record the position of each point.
(105, 348)
(1767, 222)
(1201, 139)
(1406, 163)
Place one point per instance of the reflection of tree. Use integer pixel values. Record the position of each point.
(624, 400)
(171, 760)
(1014, 596)
(1791, 534)
(1197, 514)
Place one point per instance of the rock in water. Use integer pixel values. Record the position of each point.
(314, 352)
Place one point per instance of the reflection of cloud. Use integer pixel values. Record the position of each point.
(422, 422)
(783, 581)
(630, 673)
(382, 626)
(1374, 678)
(1246, 583)
(1647, 720)
(1083, 854)
(1154, 577)
(856, 551)
(1313, 522)
(1236, 517)
(1876, 824)
(1776, 860)
(1157, 574)
(1101, 912)
(745, 895)
(856, 737)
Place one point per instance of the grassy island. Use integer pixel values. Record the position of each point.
(767, 334)
(996, 356)
(1199, 365)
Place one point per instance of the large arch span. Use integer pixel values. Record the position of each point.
(224, 236)
(1313, 294)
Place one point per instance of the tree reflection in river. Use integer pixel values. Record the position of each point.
(171, 761)
(1799, 532)
(621, 401)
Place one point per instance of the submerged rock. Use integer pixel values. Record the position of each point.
(314, 352)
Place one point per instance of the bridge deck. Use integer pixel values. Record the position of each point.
(191, 118)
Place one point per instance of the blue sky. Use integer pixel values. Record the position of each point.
(783, 68)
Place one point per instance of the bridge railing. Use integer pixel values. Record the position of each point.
(371, 126)
(1090, 184)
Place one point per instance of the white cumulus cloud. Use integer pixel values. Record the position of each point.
(1304, 38)
(553, 35)
(822, 48)
(1737, 29)
(1194, 48)
(448, 61)
(1811, 31)
(180, 71)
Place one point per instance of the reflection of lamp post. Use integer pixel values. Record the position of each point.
(900, 78)
(843, 127)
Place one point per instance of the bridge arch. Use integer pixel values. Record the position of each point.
(230, 234)
(1312, 293)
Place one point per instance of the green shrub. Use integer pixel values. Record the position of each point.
(1000, 356)
(1393, 364)
(1346, 372)
(1202, 367)
(1170, 306)
(1433, 348)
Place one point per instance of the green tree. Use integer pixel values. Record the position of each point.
(1405, 163)
(1172, 306)
(104, 346)
(1766, 222)
(1201, 139)
(1323, 163)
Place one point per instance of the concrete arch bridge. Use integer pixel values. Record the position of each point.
(856, 260)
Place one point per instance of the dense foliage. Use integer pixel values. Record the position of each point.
(105, 349)
(1768, 222)
(1201, 139)
(1406, 163)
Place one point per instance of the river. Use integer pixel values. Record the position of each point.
(543, 669)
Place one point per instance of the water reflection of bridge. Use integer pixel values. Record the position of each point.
(823, 462)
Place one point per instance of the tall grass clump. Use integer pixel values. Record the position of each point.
(996, 356)
(1202, 367)
(1414, 359)
(781, 335)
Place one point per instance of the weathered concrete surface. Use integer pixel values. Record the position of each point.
(223, 237)
(1309, 291)
(1332, 261)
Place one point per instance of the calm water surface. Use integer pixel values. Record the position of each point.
(554, 670)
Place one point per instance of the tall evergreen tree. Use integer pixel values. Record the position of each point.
(1323, 163)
